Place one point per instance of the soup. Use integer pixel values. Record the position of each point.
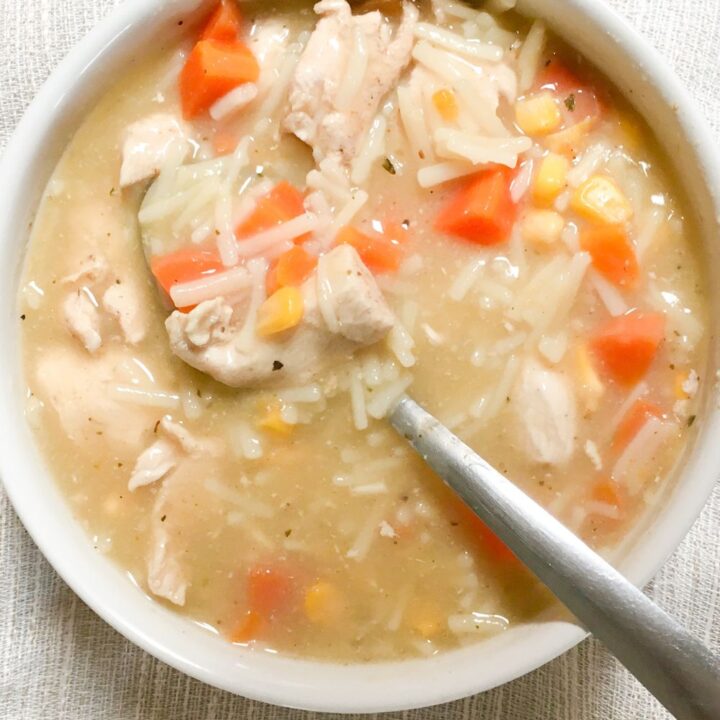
(265, 234)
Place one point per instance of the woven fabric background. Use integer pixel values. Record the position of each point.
(59, 660)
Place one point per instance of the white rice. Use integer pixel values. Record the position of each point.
(192, 405)
(521, 182)
(333, 190)
(257, 269)
(304, 394)
(443, 172)
(372, 371)
(283, 233)
(279, 85)
(384, 398)
(147, 398)
(553, 347)
(530, 54)
(242, 500)
(476, 623)
(487, 407)
(324, 295)
(347, 213)
(244, 442)
(235, 100)
(413, 119)
(372, 148)
(408, 314)
(376, 488)
(364, 539)
(451, 41)
(401, 344)
(591, 450)
(588, 164)
(457, 144)
(652, 227)
(602, 509)
(357, 400)
(610, 296)
(194, 292)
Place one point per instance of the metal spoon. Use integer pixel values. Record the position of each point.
(674, 666)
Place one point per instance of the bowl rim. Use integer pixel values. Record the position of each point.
(353, 688)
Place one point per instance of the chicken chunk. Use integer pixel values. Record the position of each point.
(154, 463)
(83, 319)
(349, 64)
(92, 269)
(343, 311)
(78, 387)
(148, 143)
(546, 408)
(123, 302)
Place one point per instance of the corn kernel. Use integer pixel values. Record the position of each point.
(591, 387)
(680, 380)
(281, 311)
(550, 179)
(600, 199)
(273, 420)
(538, 115)
(571, 140)
(425, 618)
(446, 104)
(324, 603)
(541, 228)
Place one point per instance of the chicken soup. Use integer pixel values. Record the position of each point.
(267, 233)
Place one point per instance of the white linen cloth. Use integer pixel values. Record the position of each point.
(59, 660)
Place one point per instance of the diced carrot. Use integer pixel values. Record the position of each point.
(578, 97)
(224, 24)
(378, 252)
(290, 269)
(489, 542)
(633, 421)
(612, 253)
(249, 627)
(482, 211)
(211, 71)
(271, 589)
(627, 345)
(282, 203)
(186, 264)
(606, 491)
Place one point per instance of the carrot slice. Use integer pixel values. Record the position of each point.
(612, 254)
(271, 589)
(633, 422)
(606, 491)
(224, 24)
(211, 71)
(579, 98)
(379, 253)
(482, 211)
(290, 270)
(250, 627)
(282, 203)
(627, 345)
(489, 542)
(186, 264)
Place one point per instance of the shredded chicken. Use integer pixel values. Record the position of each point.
(83, 319)
(147, 145)
(123, 302)
(92, 269)
(349, 312)
(348, 66)
(546, 409)
(77, 386)
(154, 463)
(194, 447)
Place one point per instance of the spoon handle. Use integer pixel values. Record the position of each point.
(674, 666)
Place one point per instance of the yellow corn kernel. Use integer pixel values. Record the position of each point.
(600, 199)
(538, 115)
(550, 179)
(571, 140)
(680, 380)
(324, 603)
(424, 617)
(590, 385)
(273, 420)
(446, 104)
(281, 311)
(541, 228)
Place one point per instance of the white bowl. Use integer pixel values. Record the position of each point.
(29, 159)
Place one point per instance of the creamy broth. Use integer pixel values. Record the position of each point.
(292, 528)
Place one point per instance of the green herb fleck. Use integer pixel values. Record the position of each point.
(112, 191)
(288, 533)
(387, 165)
(570, 102)
(691, 420)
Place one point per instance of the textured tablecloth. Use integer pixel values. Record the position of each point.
(59, 660)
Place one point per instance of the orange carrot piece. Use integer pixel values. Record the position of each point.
(379, 253)
(627, 345)
(606, 491)
(612, 254)
(224, 24)
(224, 142)
(250, 627)
(271, 589)
(212, 70)
(579, 98)
(489, 542)
(186, 264)
(282, 203)
(290, 270)
(633, 421)
(482, 211)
